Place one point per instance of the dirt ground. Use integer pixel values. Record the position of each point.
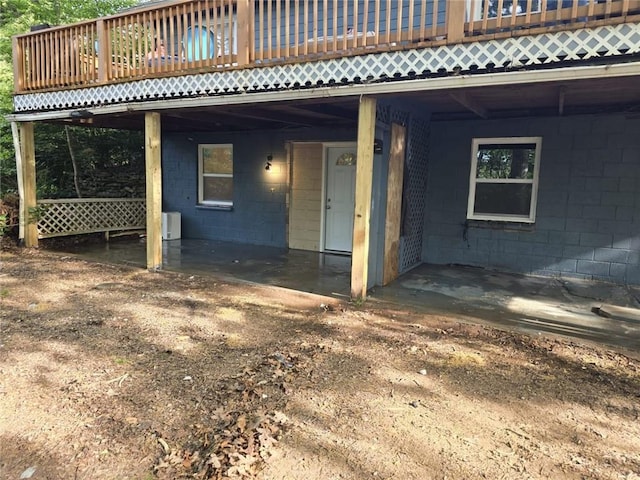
(110, 372)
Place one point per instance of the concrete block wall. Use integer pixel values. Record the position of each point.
(259, 213)
(588, 210)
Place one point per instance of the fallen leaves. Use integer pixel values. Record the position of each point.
(232, 446)
(240, 435)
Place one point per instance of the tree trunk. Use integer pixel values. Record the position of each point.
(73, 161)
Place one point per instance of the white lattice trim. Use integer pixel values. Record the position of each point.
(532, 50)
(89, 215)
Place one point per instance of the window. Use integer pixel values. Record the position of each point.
(346, 160)
(215, 175)
(503, 184)
(506, 7)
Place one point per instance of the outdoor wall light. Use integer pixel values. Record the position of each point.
(267, 166)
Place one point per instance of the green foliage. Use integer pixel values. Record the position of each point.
(36, 213)
(498, 162)
(99, 147)
(358, 302)
(9, 205)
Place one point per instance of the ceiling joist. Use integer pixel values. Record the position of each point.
(469, 103)
(304, 112)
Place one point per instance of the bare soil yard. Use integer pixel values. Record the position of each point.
(110, 372)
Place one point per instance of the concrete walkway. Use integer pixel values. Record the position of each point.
(589, 310)
(517, 302)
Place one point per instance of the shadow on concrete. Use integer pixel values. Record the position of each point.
(560, 306)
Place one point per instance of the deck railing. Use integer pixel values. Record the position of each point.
(201, 35)
(75, 216)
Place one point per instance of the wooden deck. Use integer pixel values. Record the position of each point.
(196, 36)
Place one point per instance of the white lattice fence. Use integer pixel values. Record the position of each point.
(88, 215)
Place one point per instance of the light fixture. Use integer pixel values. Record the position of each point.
(267, 166)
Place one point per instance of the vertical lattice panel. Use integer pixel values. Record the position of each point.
(88, 215)
(399, 116)
(414, 194)
(383, 113)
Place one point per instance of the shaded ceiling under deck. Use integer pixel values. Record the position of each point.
(489, 102)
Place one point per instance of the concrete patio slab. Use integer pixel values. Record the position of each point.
(535, 305)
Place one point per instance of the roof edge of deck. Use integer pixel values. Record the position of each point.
(443, 83)
(540, 56)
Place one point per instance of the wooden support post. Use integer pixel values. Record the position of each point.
(362, 213)
(394, 204)
(455, 16)
(28, 199)
(244, 33)
(18, 149)
(153, 172)
(468, 102)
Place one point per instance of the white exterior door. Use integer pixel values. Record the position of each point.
(340, 198)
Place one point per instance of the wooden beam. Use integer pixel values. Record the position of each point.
(307, 113)
(28, 202)
(263, 116)
(333, 110)
(364, 184)
(152, 153)
(394, 204)
(469, 103)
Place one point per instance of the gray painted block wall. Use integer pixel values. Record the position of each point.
(259, 214)
(588, 210)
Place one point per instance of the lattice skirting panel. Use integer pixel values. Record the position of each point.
(525, 51)
(88, 215)
(415, 191)
(414, 182)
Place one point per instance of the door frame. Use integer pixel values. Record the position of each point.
(325, 160)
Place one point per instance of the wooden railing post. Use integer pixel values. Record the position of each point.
(455, 17)
(104, 55)
(244, 30)
(18, 65)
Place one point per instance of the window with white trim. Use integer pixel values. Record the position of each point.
(503, 183)
(215, 175)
